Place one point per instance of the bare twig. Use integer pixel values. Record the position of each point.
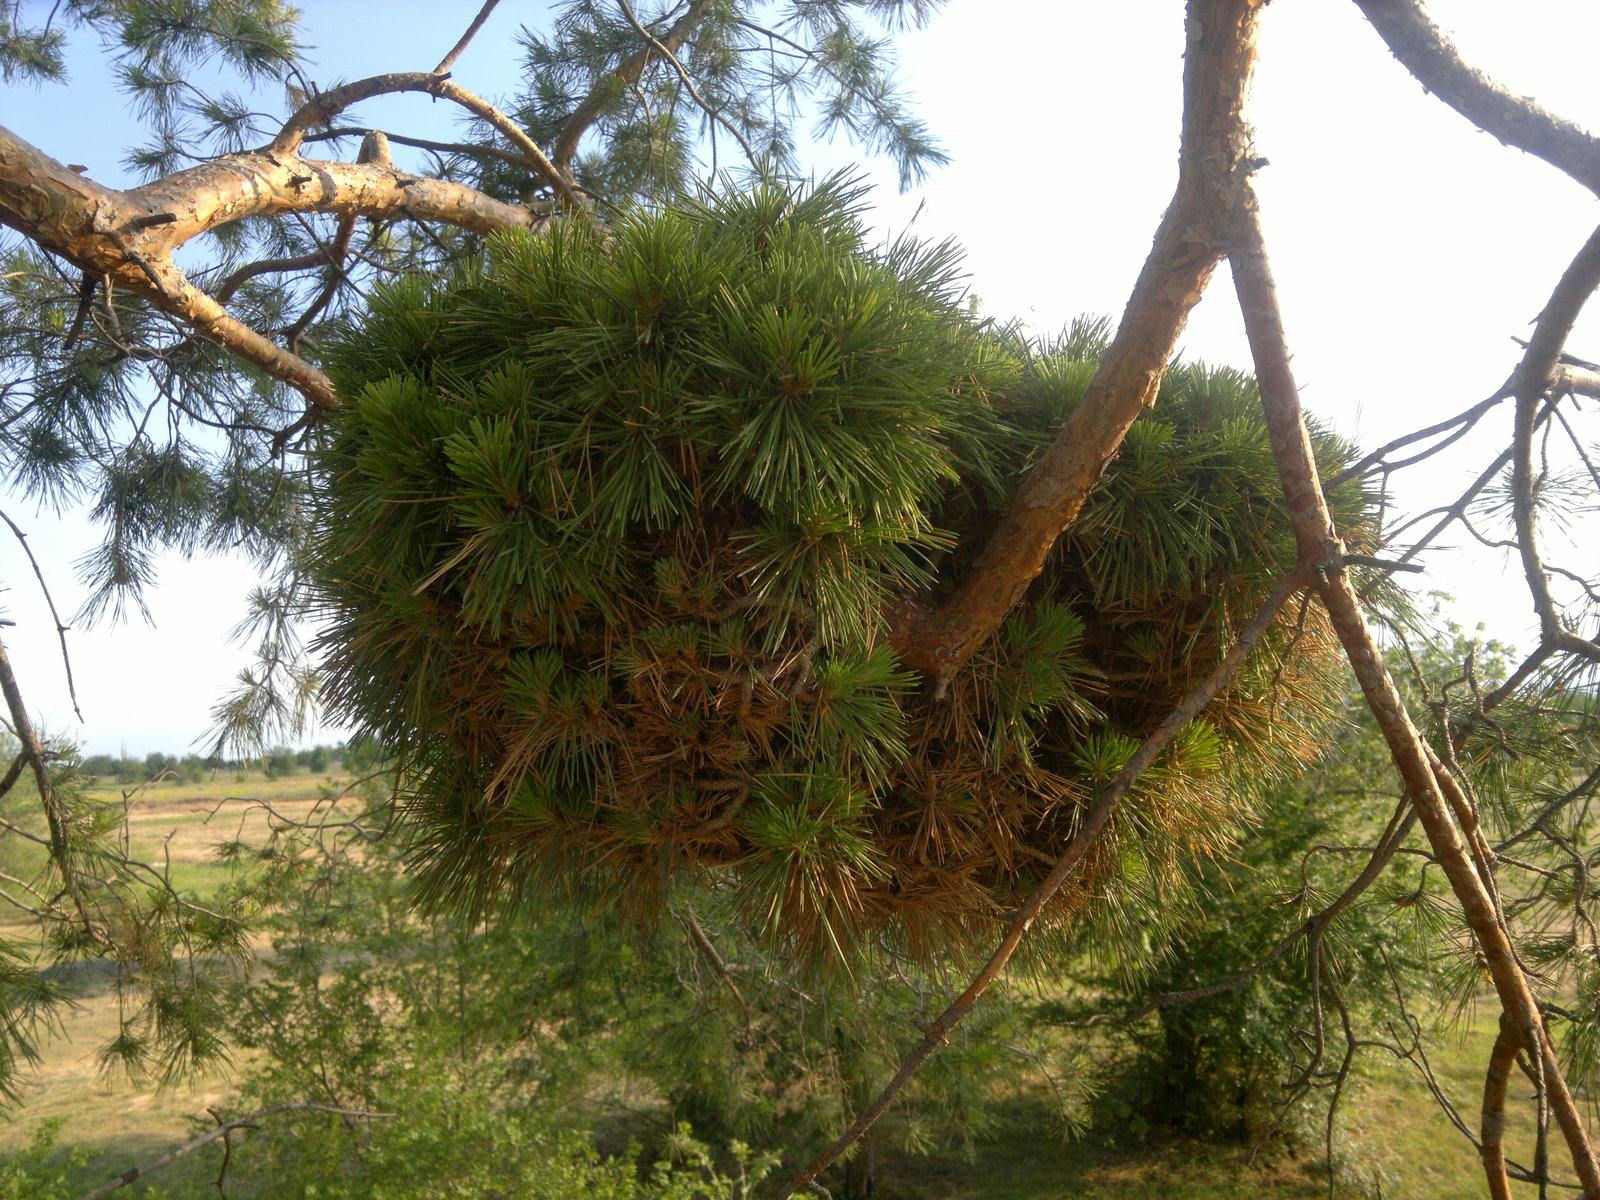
(321, 108)
(221, 1131)
(50, 602)
(449, 60)
(1578, 282)
(1318, 539)
(704, 944)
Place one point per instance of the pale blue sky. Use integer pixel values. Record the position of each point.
(1408, 246)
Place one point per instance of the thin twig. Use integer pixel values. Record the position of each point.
(688, 82)
(1318, 538)
(60, 850)
(449, 60)
(61, 626)
(222, 1130)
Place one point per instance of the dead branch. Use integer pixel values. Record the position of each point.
(449, 60)
(704, 944)
(55, 616)
(221, 1131)
(1392, 841)
(1320, 543)
(1519, 121)
(34, 754)
(467, 148)
(1578, 282)
(1454, 428)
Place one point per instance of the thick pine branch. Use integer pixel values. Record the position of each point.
(1188, 246)
(1519, 121)
(320, 110)
(127, 238)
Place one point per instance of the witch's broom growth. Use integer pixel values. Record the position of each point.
(611, 529)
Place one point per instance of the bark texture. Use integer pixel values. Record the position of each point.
(1520, 121)
(126, 238)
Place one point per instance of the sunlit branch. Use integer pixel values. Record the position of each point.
(938, 639)
(565, 145)
(1518, 121)
(449, 59)
(1316, 535)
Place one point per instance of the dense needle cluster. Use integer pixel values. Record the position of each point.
(613, 525)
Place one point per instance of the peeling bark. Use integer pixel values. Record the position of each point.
(1496, 1080)
(129, 236)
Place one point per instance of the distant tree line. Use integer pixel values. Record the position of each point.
(129, 770)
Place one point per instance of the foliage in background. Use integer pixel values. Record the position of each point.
(531, 1032)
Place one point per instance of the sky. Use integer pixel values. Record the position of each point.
(1408, 246)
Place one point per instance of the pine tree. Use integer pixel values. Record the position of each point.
(971, 562)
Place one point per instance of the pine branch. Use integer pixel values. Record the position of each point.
(33, 754)
(623, 75)
(449, 59)
(323, 107)
(1530, 382)
(128, 237)
(1095, 821)
(1433, 60)
(1188, 246)
(1422, 775)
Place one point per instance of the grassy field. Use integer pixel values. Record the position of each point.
(175, 827)
(1393, 1132)
(1393, 1126)
(180, 824)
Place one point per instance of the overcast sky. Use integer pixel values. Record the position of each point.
(1408, 246)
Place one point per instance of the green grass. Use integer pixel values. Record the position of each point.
(1392, 1125)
